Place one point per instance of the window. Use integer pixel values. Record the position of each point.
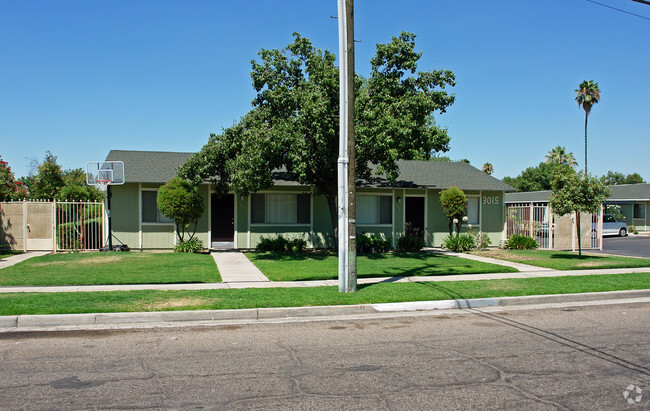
(473, 210)
(639, 210)
(280, 209)
(150, 212)
(374, 209)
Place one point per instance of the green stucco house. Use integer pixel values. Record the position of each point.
(291, 209)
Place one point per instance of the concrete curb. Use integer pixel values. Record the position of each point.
(135, 319)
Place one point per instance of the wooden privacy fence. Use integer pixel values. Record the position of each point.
(551, 231)
(52, 225)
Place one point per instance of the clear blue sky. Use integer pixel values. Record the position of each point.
(80, 78)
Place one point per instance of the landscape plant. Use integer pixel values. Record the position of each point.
(521, 242)
(459, 243)
(279, 243)
(372, 243)
(180, 200)
(411, 240)
(577, 193)
(454, 203)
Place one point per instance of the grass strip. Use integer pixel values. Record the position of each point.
(112, 268)
(565, 260)
(324, 266)
(150, 300)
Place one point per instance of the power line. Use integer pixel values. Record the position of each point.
(622, 11)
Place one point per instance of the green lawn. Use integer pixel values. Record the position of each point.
(324, 266)
(130, 301)
(112, 268)
(564, 260)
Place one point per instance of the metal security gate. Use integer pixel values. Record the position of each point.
(52, 225)
(551, 231)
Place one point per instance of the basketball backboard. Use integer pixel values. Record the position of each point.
(103, 173)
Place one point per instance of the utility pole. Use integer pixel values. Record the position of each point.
(347, 246)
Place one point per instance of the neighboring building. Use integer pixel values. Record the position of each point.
(290, 209)
(634, 200)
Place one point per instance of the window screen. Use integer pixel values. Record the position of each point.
(472, 210)
(150, 212)
(374, 209)
(280, 209)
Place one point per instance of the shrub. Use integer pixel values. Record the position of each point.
(193, 245)
(521, 242)
(412, 240)
(372, 243)
(459, 243)
(482, 241)
(281, 244)
(180, 200)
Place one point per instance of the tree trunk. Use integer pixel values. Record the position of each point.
(579, 236)
(334, 216)
(586, 116)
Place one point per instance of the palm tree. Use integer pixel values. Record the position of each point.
(587, 95)
(488, 168)
(559, 155)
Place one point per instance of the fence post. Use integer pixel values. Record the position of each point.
(24, 226)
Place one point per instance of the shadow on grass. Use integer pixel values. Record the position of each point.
(288, 256)
(562, 256)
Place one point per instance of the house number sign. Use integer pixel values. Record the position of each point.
(491, 200)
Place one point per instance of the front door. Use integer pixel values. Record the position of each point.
(414, 213)
(223, 218)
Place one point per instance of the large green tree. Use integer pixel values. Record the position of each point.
(587, 95)
(48, 181)
(294, 122)
(577, 193)
(537, 178)
(615, 178)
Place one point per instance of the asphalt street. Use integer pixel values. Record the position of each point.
(633, 245)
(572, 358)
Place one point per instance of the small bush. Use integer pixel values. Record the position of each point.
(190, 246)
(296, 245)
(482, 241)
(371, 243)
(412, 240)
(281, 244)
(521, 242)
(459, 243)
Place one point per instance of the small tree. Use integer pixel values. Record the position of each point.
(454, 202)
(575, 193)
(180, 201)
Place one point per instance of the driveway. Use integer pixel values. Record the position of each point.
(632, 245)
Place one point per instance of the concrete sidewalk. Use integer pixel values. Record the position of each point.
(10, 260)
(238, 284)
(234, 267)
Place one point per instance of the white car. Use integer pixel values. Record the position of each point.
(613, 227)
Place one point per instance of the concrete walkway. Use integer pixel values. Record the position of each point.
(518, 266)
(10, 260)
(234, 267)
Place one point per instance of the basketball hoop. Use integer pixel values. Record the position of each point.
(102, 184)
